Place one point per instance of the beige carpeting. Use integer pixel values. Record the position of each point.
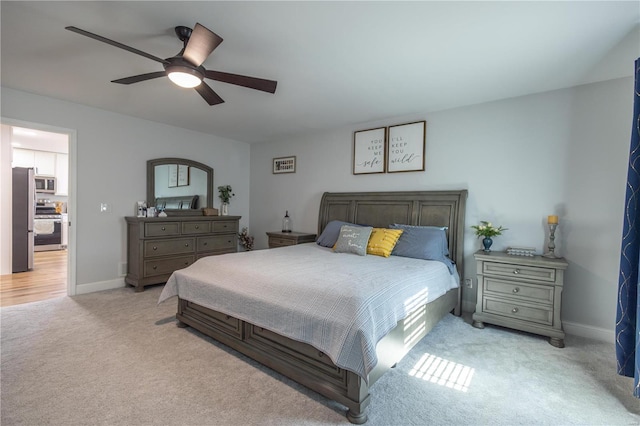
(117, 358)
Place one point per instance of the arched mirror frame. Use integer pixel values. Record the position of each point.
(151, 183)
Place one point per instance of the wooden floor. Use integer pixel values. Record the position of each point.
(47, 280)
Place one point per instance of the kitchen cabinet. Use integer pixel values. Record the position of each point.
(45, 163)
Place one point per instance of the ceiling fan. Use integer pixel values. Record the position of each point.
(185, 69)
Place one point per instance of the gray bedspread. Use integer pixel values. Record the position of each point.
(342, 304)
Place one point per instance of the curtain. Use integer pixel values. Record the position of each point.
(628, 312)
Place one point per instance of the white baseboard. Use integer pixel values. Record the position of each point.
(99, 286)
(589, 332)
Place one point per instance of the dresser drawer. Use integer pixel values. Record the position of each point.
(534, 293)
(159, 229)
(218, 320)
(189, 228)
(224, 226)
(531, 273)
(164, 247)
(540, 315)
(166, 266)
(217, 242)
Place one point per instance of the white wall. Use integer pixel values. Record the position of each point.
(112, 151)
(562, 152)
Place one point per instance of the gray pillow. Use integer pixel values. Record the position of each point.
(423, 242)
(353, 239)
(331, 232)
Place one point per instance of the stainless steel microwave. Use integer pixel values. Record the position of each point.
(46, 184)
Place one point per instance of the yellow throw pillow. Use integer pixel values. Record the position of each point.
(382, 241)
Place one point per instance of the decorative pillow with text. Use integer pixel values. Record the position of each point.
(353, 239)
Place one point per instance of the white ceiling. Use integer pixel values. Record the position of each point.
(337, 63)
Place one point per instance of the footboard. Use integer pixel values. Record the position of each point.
(307, 365)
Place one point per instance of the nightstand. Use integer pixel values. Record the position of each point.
(281, 239)
(519, 292)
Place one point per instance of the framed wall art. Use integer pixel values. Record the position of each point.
(284, 165)
(405, 152)
(173, 175)
(183, 175)
(369, 151)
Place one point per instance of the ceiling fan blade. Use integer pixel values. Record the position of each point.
(208, 94)
(243, 80)
(139, 78)
(116, 44)
(200, 45)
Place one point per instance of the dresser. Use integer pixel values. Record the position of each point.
(522, 293)
(281, 239)
(157, 246)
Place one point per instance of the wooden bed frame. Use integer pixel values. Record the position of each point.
(310, 367)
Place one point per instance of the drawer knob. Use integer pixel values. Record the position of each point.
(320, 354)
(516, 290)
(514, 310)
(155, 267)
(163, 228)
(186, 244)
(516, 271)
(197, 227)
(186, 262)
(228, 317)
(205, 243)
(155, 248)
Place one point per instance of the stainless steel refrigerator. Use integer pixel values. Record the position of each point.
(24, 205)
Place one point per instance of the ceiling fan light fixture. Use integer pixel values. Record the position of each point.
(184, 76)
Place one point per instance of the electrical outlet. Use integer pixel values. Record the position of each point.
(122, 268)
(468, 282)
(105, 208)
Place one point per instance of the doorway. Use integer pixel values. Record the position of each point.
(51, 153)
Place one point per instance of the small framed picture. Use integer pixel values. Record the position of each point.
(284, 165)
(183, 175)
(369, 150)
(405, 151)
(173, 175)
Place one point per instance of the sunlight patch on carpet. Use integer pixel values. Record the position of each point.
(443, 372)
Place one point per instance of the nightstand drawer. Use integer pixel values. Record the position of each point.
(516, 310)
(280, 242)
(163, 247)
(531, 273)
(535, 293)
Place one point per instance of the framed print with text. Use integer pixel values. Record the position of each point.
(405, 148)
(183, 175)
(284, 165)
(369, 151)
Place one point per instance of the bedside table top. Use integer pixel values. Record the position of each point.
(292, 234)
(537, 260)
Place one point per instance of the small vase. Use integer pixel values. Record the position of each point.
(486, 242)
(224, 209)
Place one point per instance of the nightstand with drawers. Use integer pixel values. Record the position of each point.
(281, 239)
(522, 293)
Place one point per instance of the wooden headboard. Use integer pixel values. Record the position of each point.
(381, 209)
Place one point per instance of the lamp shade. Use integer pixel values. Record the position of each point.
(184, 76)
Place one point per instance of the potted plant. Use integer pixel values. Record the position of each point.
(487, 231)
(225, 192)
(246, 240)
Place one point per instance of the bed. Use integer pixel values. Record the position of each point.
(260, 328)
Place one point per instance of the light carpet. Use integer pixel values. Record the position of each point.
(117, 358)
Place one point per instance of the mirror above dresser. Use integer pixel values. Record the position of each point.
(178, 186)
